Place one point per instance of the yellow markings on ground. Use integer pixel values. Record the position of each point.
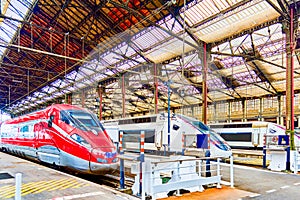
(8, 191)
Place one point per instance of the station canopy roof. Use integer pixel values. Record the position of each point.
(52, 48)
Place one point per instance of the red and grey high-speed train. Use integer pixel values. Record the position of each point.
(63, 135)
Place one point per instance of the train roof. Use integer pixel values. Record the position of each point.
(248, 122)
(42, 114)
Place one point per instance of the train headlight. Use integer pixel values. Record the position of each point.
(80, 140)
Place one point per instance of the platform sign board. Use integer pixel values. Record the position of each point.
(202, 141)
(283, 140)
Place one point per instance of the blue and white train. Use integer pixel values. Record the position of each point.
(252, 134)
(178, 133)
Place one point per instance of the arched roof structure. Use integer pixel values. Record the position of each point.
(63, 47)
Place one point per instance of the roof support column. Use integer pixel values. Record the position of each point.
(229, 111)
(280, 116)
(69, 98)
(123, 96)
(100, 94)
(290, 41)
(205, 57)
(244, 109)
(261, 109)
(82, 98)
(155, 89)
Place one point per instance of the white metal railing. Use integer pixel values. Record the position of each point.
(183, 172)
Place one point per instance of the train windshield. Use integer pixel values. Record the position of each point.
(214, 136)
(196, 123)
(84, 120)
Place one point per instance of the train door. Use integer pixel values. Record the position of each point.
(256, 132)
(176, 136)
(47, 150)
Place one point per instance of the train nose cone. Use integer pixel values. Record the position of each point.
(103, 160)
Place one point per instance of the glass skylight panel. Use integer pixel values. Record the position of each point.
(109, 72)
(273, 48)
(36, 94)
(56, 82)
(245, 77)
(199, 10)
(16, 9)
(48, 98)
(71, 75)
(215, 83)
(80, 85)
(79, 77)
(6, 31)
(127, 50)
(51, 89)
(45, 89)
(87, 71)
(112, 58)
(171, 24)
(150, 38)
(70, 88)
(63, 84)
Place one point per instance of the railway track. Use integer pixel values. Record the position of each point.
(248, 157)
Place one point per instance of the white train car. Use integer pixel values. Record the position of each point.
(159, 138)
(250, 134)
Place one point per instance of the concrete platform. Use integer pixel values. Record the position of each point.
(40, 182)
(224, 193)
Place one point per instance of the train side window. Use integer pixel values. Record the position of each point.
(24, 129)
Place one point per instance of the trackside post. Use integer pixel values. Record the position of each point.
(122, 168)
(231, 172)
(264, 157)
(288, 162)
(142, 158)
(18, 186)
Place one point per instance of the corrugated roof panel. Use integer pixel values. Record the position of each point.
(199, 10)
(168, 50)
(250, 14)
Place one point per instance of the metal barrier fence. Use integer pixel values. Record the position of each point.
(157, 176)
(180, 172)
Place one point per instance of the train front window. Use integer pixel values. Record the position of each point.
(85, 118)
